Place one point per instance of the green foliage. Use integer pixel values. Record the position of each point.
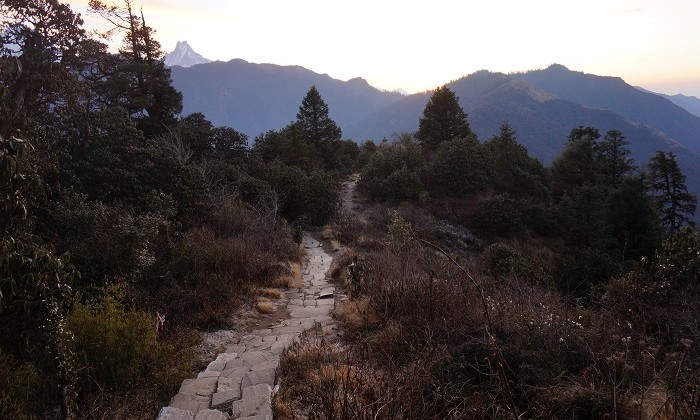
(499, 215)
(316, 126)
(613, 157)
(583, 217)
(577, 164)
(678, 260)
(115, 345)
(587, 267)
(139, 81)
(391, 174)
(500, 259)
(321, 197)
(109, 241)
(443, 119)
(20, 389)
(514, 171)
(674, 204)
(312, 196)
(118, 164)
(633, 220)
(48, 33)
(462, 166)
(399, 229)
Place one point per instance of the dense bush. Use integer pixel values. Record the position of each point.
(499, 215)
(391, 173)
(461, 167)
(21, 387)
(116, 346)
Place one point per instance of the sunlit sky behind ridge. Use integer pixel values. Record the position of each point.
(419, 45)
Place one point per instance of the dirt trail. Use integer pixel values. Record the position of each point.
(239, 383)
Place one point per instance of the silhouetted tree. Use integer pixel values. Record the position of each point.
(577, 164)
(674, 203)
(140, 81)
(613, 157)
(315, 123)
(443, 119)
(39, 43)
(514, 170)
(462, 166)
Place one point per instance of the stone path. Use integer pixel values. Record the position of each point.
(240, 382)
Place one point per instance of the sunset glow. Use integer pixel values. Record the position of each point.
(418, 45)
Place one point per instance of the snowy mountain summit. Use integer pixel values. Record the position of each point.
(183, 55)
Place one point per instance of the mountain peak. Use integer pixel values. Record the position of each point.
(183, 55)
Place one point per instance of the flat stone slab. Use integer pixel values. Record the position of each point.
(189, 402)
(200, 386)
(224, 399)
(309, 312)
(327, 293)
(211, 415)
(261, 390)
(253, 406)
(172, 413)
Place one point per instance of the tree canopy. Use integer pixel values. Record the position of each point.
(674, 203)
(443, 119)
(313, 118)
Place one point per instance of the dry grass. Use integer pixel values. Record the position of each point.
(264, 306)
(270, 292)
(335, 245)
(338, 270)
(328, 233)
(357, 314)
(292, 279)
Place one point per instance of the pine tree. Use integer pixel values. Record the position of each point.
(577, 164)
(313, 117)
(674, 203)
(149, 97)
(613, 157)
(443, 119)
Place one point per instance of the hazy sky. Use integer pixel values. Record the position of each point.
(419, 45)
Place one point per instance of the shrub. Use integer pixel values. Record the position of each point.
(499, 215)
(391, 174)
(115, 345)
(462, 167)
(20, 389)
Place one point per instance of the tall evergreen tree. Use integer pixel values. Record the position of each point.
(443, 119)
(140, 81)
(313, 117)
(577, 164)
(674, 203)
(39, 43)
(614, 157)
(514, 170)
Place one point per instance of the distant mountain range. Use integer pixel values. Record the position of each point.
(542, 106)
(689, 103)
(254, 98)
(184, 56)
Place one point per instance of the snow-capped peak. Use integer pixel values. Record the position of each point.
(183, 55)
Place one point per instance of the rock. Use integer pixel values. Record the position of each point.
(326, 293)
(211, 415)
(225, 399)
(172, 413)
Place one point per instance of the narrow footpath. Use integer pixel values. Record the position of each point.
(240, 382)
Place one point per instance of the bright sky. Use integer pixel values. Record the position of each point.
(419, 45)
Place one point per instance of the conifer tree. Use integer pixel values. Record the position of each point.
(674, 203)
(613, 157)
(317, 126)
(443, 119)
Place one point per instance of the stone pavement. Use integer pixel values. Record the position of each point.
(240, 382)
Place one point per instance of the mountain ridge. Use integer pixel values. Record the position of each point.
(184, 56)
